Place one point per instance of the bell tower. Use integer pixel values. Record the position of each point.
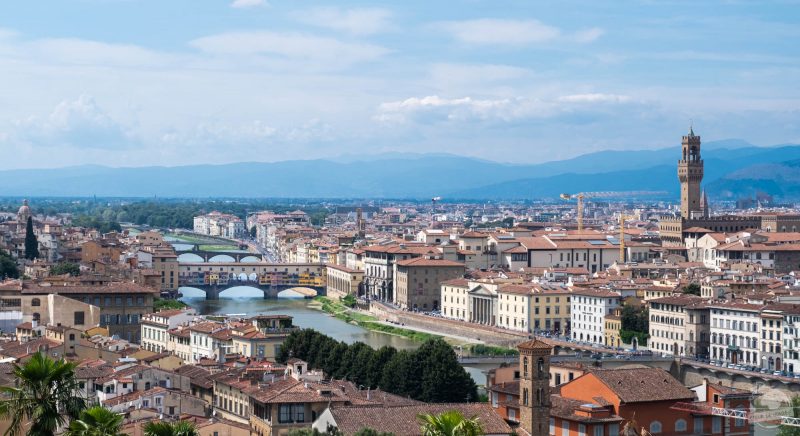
(690, 174)
(534, 387)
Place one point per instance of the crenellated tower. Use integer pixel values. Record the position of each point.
(690, 174)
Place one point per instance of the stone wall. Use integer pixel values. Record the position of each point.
(489, 335)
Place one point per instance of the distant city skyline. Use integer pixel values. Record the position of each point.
(135, 82)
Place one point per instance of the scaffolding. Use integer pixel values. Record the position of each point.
(784, 414)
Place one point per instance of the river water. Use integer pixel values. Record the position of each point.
(250, 301)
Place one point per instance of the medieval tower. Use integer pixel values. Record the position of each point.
(690, 174)
(534, 387)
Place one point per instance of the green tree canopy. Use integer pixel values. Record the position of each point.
(451, 423)
(96, 421)
(8, 266)
(43, 397)
(31, 243)
(431, 373)
(163, 428)
(693, 289)
(70, 268)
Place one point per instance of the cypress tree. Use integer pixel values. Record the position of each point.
(31, 244)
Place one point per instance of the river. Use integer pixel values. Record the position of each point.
(249, 301)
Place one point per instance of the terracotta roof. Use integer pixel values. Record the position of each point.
(402, 420)
(423, 262)
(534, 344)
(639, 385)
(461, 283)
(565, 408)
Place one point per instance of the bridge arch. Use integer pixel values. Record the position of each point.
(250, 259)
(298, 292)
(189, 257)
(220, 258)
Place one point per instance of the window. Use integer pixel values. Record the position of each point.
(680, 425)
(525, 396)
(613, 429)
(581, 429)
(655, 427)
(552, 426)
(698, 425)
(716, 424)
(78, 318)
(525, 367)
(598, 430)
(36, 302)
(564, 428)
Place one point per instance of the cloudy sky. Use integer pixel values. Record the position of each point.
(172, 82)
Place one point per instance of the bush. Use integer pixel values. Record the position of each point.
(349, 300)
(628, 335)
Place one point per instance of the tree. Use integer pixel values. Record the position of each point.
(443, 379)
(451, 423)
(96, 421)
(161, 428)
(693, 289)
(253, 232)
(788, 430)
(43, 397)
(31, 244)
(635, 318)
(8, 266)
(62, 268)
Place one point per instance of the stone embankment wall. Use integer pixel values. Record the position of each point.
(487, 334)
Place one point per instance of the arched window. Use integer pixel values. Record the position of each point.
(540, 368)
(525, 396)
(72, 336)
(680, 425)
(655, 427)
(538, 397)
(36, 302)
(525, 367)
(37, 317)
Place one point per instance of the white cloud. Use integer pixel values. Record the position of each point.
(79, 123)
(437, 109)
(358, 21)
(243, 4)
(489, 31)
(588, 35)
(434, 108)
(289, 46)
(594, 98)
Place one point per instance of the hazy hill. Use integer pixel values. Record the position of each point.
(730, 166)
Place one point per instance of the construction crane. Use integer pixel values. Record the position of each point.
(433, 206)
(606, 194)
(622, 218)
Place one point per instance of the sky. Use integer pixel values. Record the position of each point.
(177, 82)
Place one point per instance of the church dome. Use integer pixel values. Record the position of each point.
(24, 210)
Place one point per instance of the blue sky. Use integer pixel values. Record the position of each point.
(172, 82)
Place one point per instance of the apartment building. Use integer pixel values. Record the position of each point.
(342, 281)
(771, 343)
(735, 332)
(669, 324)
(588, 309)
(219, 224)
(155, 327)
(379, 268)
(791, 339)
(455, 299)
(417, 283)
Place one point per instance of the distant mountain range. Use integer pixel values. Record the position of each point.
(733, 168)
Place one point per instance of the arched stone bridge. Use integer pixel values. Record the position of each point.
(272, 278)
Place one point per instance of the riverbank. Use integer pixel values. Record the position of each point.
(370, 322)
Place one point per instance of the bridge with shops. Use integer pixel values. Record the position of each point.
(213, 278)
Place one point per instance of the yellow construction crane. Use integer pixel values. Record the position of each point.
(622, 218)
(606, 194)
